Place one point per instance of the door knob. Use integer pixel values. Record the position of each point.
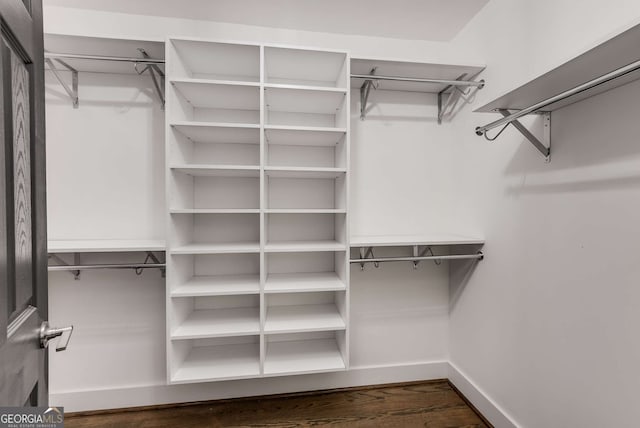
(47, 333)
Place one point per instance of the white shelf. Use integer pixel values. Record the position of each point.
(219, 94)
(219, 362)
(303, 282)
(303, 318)
(303, 172)
(303, 135)
(247, 171)
(411, 69)
(600, 60)
(220, 248)
(215, 211)
(305, 211)
(219, 285)
(406, 240)
(104, 246)
(304, 246)
(218, 323)
(223, 133)
(303, 356)
(304, 100)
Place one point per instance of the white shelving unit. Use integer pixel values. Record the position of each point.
(257, 193)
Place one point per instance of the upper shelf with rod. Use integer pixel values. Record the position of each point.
(450, 82)
(75, 54)
(606, 66)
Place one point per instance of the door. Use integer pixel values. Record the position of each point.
(23, 235)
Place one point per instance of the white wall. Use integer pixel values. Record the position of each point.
(545, 325)
(116, 357)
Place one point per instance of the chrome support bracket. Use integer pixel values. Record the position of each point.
(71, 91)
(155, 260)
(543, 146)
(455, 94)
(365, 252)
(153, 70)
(365, 89)
(426, 251)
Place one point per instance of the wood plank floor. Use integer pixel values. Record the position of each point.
(425, 404)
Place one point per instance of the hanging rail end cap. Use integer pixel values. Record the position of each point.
(481, 255)
(479, 131)
(482, 83)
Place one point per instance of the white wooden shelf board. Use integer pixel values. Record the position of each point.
(79, 45)
(303, 282)
(305, 211)
(218, 323)
(303, 135)
(215, 211)
(304, 246)
(104, 246)
(602, 59)
(218, 170)
(303, 172)
(410, 69)
(225, 133)
(303, 356)
(405, 240)
(219, 362)
(219, 285)
(304, 100)
(219, 248)
(301, 318)
(229, 95)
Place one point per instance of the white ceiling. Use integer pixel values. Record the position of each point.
(435, 20)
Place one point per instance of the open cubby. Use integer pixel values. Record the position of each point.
(304, 229)
(217, 102)
(214, 274)
(324, 108)
(216, 232)
(305, 147)
(213, 192)
(224, 358)
(215, 144)
(302, 312)
(290, 192)
(305, 67)
(215, 316)
(306, 272)
(219, 61)
(299, 353)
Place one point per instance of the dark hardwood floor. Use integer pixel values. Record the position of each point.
(425, 404)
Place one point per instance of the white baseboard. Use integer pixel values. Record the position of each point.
(487, 407)
(150, 395)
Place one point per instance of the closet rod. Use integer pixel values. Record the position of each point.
(478, 256)
(481, 130)
(104, 58)
(478, 84)
(109, 266)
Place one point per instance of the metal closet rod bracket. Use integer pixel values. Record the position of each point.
(71, 91)
(544, 146)
(371, 80)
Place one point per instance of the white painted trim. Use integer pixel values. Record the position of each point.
(480, 400)
(150, 395)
